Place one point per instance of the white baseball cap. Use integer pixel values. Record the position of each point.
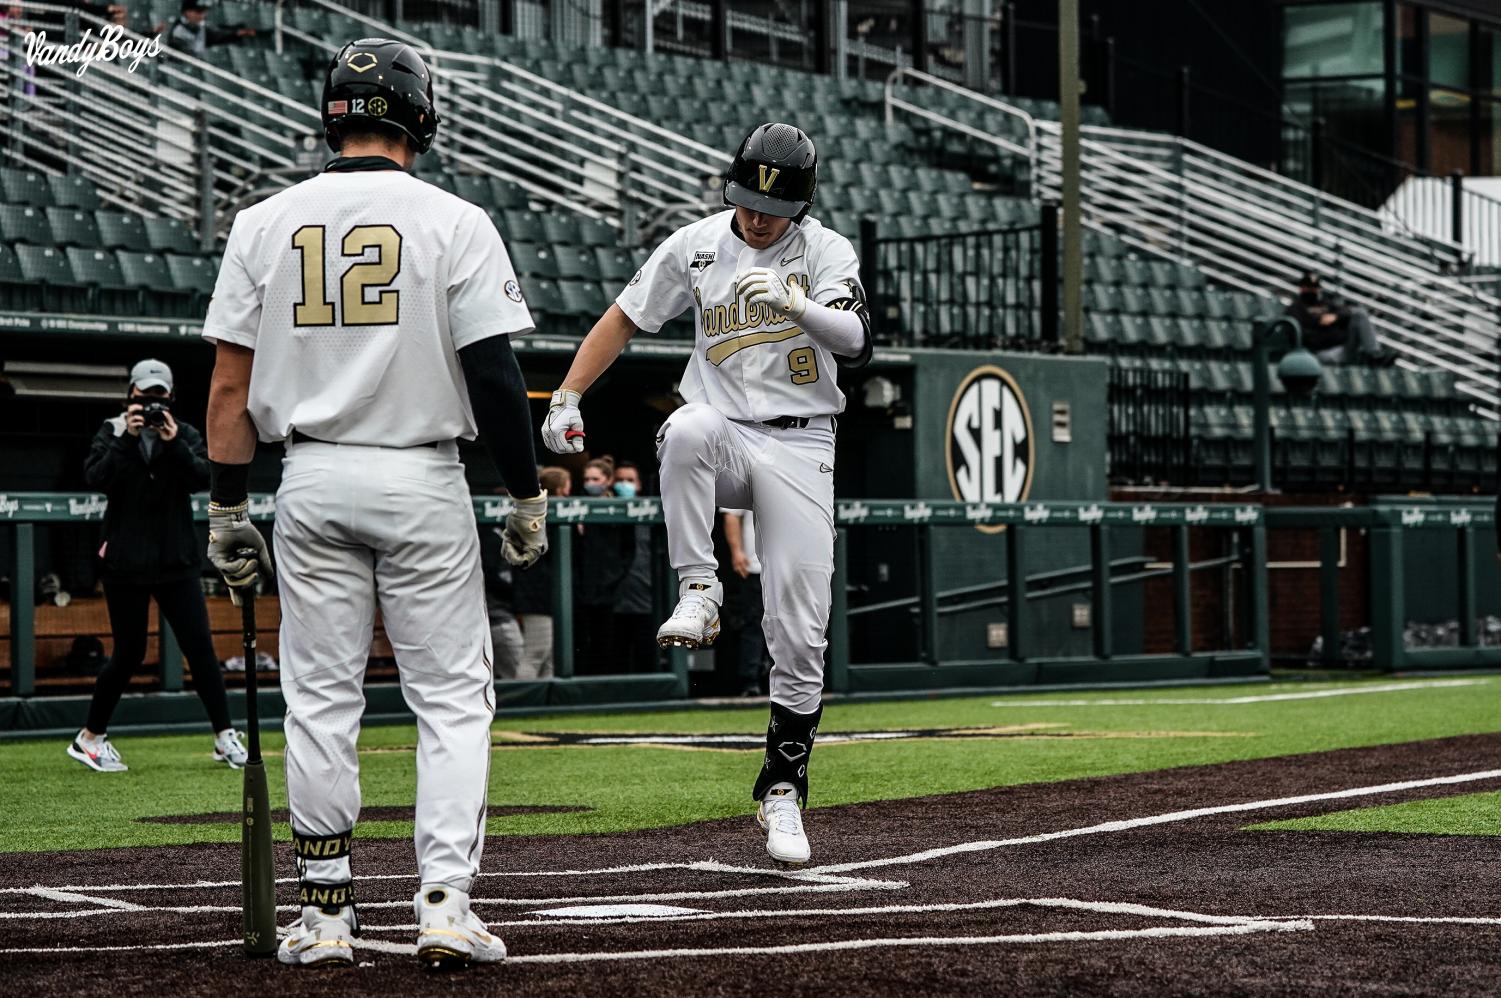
(151, 374)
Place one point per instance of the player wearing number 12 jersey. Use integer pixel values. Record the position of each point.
(364, 318)
(778, 305)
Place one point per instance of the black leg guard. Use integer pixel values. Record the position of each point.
(789, 743)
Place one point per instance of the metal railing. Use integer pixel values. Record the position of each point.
(1150, 430)
(559, 145)
(941, 656)
(992, 289)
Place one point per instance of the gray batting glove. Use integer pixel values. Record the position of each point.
(563, 429)
(235, 547)
(526, 531)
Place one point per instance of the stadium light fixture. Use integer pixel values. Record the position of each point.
(1298, 370)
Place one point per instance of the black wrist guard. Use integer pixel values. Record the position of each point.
(789, 744)
(228, 484)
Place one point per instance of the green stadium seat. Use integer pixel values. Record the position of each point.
(73, 227)
(24, 223)
(73, 191)
(121, 230)
(473, 188)
(543, 296)
(523, 226)
(16, 292)
(194, 273)
(47, 266)
(150, 272)
(25, 187)
(574, 262)
(98, 268)
(582, 298)
(533, 259)
(597, 232)
(558, 227)
(614, 265)
(170, 235)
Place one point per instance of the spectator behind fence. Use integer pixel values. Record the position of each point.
(500, 592)
(1335, 330)
(740, 535)
(602, 558)
(531, 593)
(191, 33)
(148, 465)
(635, 624)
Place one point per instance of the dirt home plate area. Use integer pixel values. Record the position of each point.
(1140, 884)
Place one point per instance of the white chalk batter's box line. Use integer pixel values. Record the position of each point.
(826, 879)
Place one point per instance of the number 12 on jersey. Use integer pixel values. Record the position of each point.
(315, 309)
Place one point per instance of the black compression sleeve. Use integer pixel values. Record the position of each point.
(497, 394)
(228, 483)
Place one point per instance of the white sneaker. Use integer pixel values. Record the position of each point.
(449, 935)
(782, 821)
(98, 754)
(229, 748)
(319, 938)
(695, 621)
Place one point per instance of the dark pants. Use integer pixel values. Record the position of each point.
(183, 607)
(752, 637)
(595, 652)
(636, 636)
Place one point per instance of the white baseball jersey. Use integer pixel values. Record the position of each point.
(356, 289)
(748, 362)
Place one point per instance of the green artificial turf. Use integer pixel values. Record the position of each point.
(1465, 814)
(49, 802)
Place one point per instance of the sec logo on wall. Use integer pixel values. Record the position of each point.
(988, 441)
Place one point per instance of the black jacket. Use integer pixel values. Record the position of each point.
(148, 532)
(1317, 336)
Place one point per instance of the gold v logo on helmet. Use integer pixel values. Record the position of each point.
(767, 178)
(361, 62)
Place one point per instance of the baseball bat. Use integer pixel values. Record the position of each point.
(257, 882)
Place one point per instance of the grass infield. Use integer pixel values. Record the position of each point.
(50, 802)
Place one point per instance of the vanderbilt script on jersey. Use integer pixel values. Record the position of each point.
(749, 362)
(357, 290)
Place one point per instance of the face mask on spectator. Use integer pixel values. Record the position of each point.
(594, 488)
(625, 490)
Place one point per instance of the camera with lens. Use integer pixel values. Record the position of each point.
(155, 412)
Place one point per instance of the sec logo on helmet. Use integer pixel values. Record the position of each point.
(988, 442)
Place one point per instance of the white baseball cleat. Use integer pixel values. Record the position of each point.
(695, 621)
(449, 935)
(97, 754)
(228, 748)
(782, 821)
(320, 938)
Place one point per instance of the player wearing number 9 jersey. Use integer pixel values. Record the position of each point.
(364, 317)
(778, 305)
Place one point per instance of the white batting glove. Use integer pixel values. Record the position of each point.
(563, 429)
(526, 531)
(764, 285)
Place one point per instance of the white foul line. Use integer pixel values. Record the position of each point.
(701, 866)
(1257, 698)
(55, 894)
(1104, 935)
(1127, 824)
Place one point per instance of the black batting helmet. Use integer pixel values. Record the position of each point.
(775, 172)
(379, 82)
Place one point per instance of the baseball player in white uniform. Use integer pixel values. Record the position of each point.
(364, 317)
(779, 307)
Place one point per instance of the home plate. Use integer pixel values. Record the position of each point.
(618, 911)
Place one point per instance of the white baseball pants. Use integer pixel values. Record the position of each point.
(355, 525)
(785, 476)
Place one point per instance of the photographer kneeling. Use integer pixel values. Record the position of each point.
(149, 465)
